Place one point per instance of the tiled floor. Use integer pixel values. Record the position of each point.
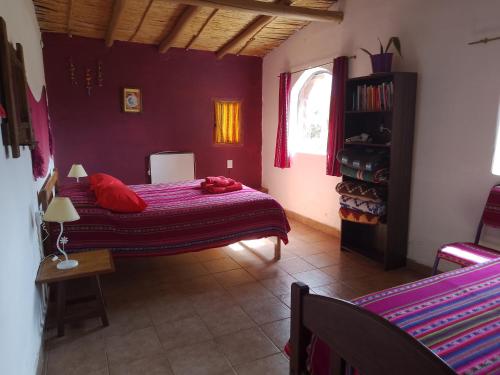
(220, 311)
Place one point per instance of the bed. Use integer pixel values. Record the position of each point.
(446, 324)
(180, 218)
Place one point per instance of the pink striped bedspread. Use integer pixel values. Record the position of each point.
(179, 218)
(456, 314)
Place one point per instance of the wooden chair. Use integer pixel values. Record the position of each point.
(357, 338)
(466, 253)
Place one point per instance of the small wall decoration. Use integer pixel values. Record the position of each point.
(88, 80)
(132, 100)
(100, 77)
(72, 72)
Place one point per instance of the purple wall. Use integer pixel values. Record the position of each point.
(178, 89)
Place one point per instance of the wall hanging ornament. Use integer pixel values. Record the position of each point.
(100, 76)
(72, 72)
(88, 80)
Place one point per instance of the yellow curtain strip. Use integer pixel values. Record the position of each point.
(227, 122)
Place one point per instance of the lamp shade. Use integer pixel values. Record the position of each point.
(61, 210)
(77, 171)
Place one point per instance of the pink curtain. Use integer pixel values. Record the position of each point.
(281, 156)
(336, 122)
(40, 155)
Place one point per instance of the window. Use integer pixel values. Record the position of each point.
(309, 112)
(495, 167)
(227, 122)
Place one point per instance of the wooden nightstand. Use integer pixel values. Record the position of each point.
(91, 264)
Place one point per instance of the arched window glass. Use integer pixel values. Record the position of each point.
(309, 112)
(495, 168)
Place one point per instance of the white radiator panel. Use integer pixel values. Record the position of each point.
(171, 167)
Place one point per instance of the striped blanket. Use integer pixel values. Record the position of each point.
(377, 177)
(179, 218)
(361, 205)
(364, 159)
(456, 314)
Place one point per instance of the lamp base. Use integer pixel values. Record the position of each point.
(67, 264)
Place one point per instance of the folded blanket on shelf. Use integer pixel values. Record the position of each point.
(377, 176)
(358, 217)
(361, 138)
(374, 208)
(362, 190)
(364, 159)
(221, 184)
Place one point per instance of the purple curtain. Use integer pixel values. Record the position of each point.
(281, 156)
(336, 122)
(40, 155)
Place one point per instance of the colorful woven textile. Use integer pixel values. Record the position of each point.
(491, 214)
(363, 159)
(456, 314)
(466, 253)
(358, 217)
(362, 190)
(374, 208)
(179, 218)
(380, 175)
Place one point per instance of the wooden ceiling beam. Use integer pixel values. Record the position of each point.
(141, 22)
(247, 43)
(244, 35)
(268, 9)
(247, 35)
(182, 22)
(118, 8)
(205, 24)
(70, 16)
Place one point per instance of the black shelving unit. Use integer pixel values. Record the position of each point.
(386, 242)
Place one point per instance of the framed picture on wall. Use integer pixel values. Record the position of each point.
(132, 100)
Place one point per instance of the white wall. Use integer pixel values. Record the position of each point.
(21, 306)
(457, 107)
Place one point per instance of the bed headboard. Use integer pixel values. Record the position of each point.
(357, 338)
(47, 192)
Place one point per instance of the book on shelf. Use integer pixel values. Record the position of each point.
(373, 97)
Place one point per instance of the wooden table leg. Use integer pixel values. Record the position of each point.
(100, 301)
(61, 307)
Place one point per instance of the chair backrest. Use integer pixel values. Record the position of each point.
(491, 212)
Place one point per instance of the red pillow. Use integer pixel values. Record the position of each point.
(102, 179)
(119, 198)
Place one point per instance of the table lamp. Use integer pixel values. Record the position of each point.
(77, 171)
(61, 210)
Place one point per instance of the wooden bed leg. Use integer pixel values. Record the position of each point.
(299, 336)
(277, 249)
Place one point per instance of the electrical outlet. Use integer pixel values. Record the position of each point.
(229, 164)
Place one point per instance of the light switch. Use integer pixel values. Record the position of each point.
(229, 164)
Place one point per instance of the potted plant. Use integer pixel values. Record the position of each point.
(382, 62)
